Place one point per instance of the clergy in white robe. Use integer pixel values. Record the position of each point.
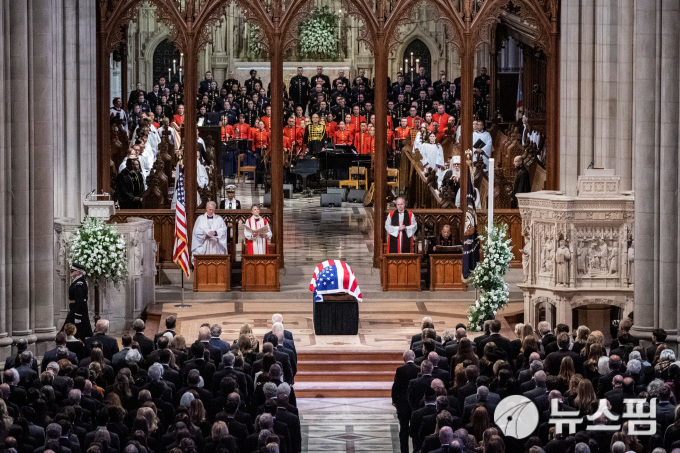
(210, 233)
(480, 134)
(202, 181)
(257, 242)
(432, 153)
(401, 226)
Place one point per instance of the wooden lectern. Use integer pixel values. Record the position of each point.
(260, 272)
(400, 272)
(446, 272)
(212, 273)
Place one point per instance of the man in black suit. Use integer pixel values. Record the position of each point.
(193, 384)
(452, 346)
(665, 411)
(418, 414)
(481, 398)
(282, 358)
(429, 345)
(215, 354)
(169, 374)
(26, 373)
(13, 360)
(627, 392)
(553, 361)
(227, 369)
(495, 337)
(445, 438)
(280, 332)
(426, 323)
(487, 332)
(526, 374)
(658, 337)
(146, 344)
(402, 377)
(552, 346)
(439, 372)
(540, 389)
(109, 344)
(198, 362)
(418, 386)
(290, 419)
(51, 355)
(546, 335)
(216, 341)
(119, 359)
(170, 324)
(277, 317)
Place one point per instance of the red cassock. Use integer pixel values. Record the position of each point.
(241, 131)
(297, 120)
(260, 139)
(390, 136)
(342, 138)
(368, 146)
(253, 224)
(390, 124)
(410, 120)
(440, 135)
(402, 133)
(287, 142)
(267, 120)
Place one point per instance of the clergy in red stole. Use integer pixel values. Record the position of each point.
(400, 225)
(257, 243)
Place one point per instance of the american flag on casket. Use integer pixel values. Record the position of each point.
(333, 277)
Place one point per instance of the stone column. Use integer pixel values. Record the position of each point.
(43, 65)
(22, 87)
(646, 118)
(570, 161)
(624, 95)
(5, 194)
(668, 166)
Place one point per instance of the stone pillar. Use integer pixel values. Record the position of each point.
(668, 167)
(5, 193)
(646, 119)
(624, 95)
(43, 65)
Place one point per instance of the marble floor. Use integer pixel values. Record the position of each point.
(348, 425)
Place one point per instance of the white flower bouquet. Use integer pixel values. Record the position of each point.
(101, 250)
(488, 277)
(318, 36)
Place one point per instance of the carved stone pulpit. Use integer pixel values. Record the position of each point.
(578, 252)
(119, 305)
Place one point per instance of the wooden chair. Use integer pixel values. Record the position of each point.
(393, 178)
(353, 181)
(243, 170)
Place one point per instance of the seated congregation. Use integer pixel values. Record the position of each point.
(153, 395)
(447, 392)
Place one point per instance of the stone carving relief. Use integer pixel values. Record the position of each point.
(526, 253)
(598, 252)
(562, 259)
(629, 262)
(546, 236)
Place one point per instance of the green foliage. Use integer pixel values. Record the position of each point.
(488, 276)
(254, 42)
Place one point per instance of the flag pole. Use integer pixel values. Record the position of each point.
(182, 304)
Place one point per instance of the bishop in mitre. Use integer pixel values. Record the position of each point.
(257, 233)
(210, 233)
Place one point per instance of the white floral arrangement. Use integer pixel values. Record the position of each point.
(254, 41)
(488, 276)
(101, 250)
(318, 38)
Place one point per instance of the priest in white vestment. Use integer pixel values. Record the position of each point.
(257, 242)
(210, 233)
(478, 133)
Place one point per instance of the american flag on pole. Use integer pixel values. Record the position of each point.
(181, 251)
(332, 277)
(519, 90)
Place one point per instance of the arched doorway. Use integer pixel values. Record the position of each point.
(417, 50)
(162, 60)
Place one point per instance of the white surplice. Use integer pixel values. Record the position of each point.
(203, 243)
